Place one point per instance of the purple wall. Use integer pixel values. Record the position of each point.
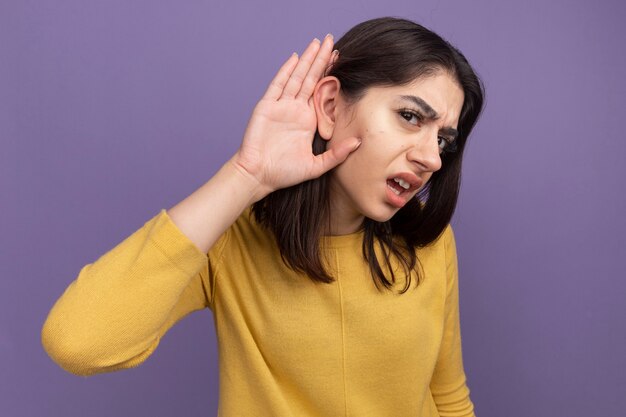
(110, 111)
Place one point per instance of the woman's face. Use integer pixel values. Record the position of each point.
(403, 129)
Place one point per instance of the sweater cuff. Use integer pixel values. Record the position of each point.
(175, 244)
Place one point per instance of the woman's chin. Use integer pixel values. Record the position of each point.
(382, 215)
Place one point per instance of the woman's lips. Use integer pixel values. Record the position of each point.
(401, 187)
(406, 180)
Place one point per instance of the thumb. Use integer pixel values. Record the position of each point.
(333, 157)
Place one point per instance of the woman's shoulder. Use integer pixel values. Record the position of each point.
(246, 233)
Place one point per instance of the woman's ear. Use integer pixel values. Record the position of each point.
(325, 100)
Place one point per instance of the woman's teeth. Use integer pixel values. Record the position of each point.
(402, 183)
(396, 192)
(398, 185)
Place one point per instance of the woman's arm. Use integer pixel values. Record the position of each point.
(275, 153)
(116, 311)
(448, 385)
(118, 308)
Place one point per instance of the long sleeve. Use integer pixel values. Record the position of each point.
(115, 312)
(448, 384)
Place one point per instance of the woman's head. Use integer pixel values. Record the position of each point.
(391, 52)
(383, 55)
(404, 130)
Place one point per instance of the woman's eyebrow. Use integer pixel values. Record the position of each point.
(430, 113)
(449, 131)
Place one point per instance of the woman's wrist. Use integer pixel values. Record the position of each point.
(246, 180)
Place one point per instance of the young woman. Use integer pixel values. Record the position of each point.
(322, 246)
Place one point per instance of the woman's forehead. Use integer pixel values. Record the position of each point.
(440, 93)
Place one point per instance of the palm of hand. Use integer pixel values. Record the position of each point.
(277, 143)
(277, 146)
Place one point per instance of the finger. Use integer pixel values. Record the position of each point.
(317, 69)
(333, 59)
(333, 157)
(277, 85)
(299, 73)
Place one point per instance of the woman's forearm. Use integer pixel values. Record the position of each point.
(206, 214)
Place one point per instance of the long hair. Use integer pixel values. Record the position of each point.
(379, 52)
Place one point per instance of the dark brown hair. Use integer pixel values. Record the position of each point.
(379, 52)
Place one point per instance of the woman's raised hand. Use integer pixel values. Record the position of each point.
(276, 149)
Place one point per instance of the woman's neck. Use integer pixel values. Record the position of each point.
(344, 220)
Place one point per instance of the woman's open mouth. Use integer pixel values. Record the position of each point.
(398, 185)
(401, 188)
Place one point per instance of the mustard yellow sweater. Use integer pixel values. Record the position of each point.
(287, 346)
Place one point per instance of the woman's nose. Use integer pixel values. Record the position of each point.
(425, 151)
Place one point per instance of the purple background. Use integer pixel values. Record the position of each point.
(110, 111)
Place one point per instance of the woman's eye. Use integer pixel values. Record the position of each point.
(443, 143)
(410, 117)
